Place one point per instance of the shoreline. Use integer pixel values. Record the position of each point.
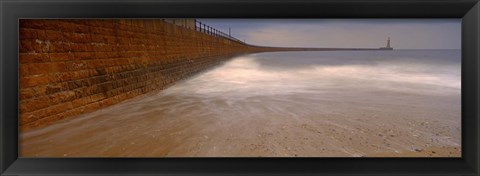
(238, 110)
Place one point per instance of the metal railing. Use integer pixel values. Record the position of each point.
(204, 28)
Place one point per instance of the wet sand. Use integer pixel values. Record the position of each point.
(237, 111)
(150, 132)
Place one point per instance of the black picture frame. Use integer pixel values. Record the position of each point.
(467, 10)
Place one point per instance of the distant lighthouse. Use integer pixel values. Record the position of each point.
(388, 42)
(388, 47)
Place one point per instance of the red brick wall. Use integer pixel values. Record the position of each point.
(70, 67)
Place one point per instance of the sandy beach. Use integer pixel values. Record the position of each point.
(355, 132)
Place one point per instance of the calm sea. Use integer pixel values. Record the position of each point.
(289, 77)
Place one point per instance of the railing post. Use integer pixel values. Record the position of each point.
(202, 27)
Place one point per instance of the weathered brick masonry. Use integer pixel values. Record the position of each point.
(70, 67)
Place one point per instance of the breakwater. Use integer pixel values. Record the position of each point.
(71, 67)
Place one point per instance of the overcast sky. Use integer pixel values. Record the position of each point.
(360, 33)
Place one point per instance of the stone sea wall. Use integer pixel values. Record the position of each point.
(71, 67)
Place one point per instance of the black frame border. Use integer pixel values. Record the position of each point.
(12, 10)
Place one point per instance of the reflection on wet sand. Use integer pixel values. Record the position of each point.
(256, 106)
